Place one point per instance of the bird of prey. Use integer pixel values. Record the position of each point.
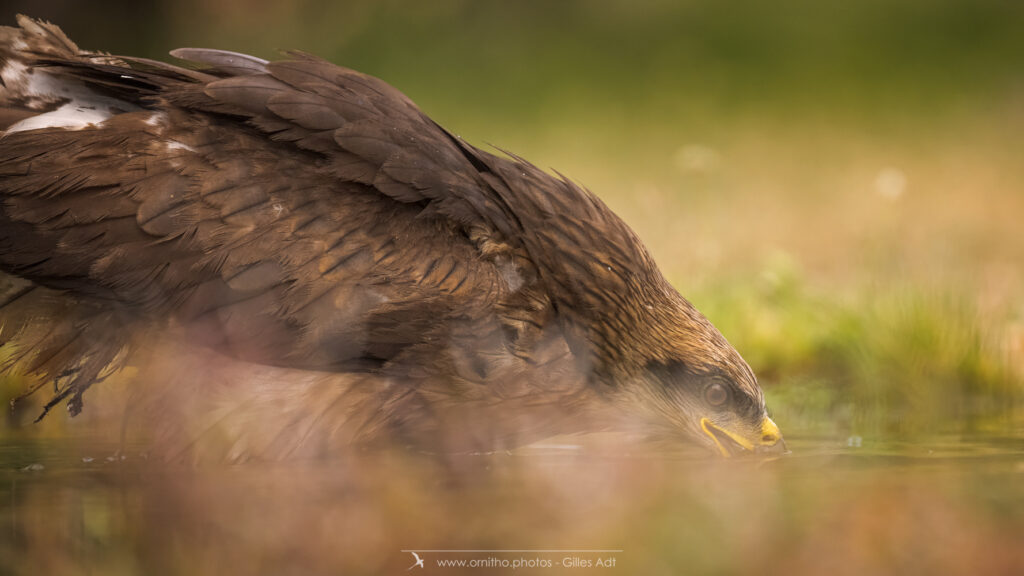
(310, 219)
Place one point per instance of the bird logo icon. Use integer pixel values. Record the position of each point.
(419, 562)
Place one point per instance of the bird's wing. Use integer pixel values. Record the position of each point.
(294, 213)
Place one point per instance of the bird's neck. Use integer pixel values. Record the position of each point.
(613, 302)
(615, 307)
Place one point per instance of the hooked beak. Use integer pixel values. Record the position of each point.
(769, 440)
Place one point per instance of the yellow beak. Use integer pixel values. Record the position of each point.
(770, 436)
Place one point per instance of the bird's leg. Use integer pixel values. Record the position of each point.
(63, 374)
(86, 374)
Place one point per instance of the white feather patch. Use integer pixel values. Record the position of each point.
(71, 116)
(175, 145)
(13, 74)
(79, 108)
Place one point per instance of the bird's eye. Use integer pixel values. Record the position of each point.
(716, 394)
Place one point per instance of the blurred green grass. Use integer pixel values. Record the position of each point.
(888, 364)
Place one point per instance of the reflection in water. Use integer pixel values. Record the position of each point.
(949, 507)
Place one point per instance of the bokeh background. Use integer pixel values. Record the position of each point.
(839, 186)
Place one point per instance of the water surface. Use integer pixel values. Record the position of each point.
(946, 505)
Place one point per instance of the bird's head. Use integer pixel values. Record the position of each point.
(717, 405)
(675, 374)
(691, 380)
(666, 368)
